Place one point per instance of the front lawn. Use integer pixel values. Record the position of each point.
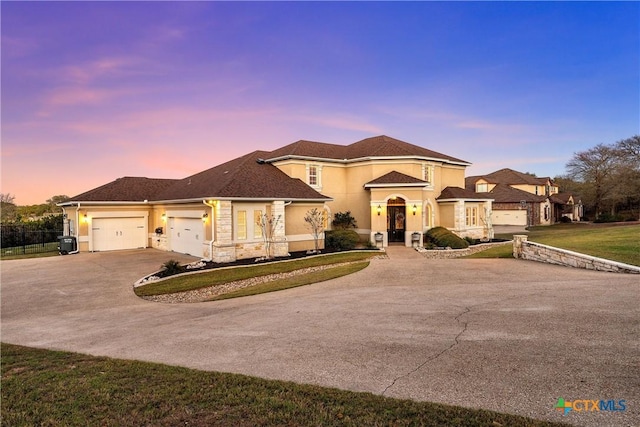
(54, 388)
(617, 242)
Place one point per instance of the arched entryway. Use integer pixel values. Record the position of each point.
(396, 219)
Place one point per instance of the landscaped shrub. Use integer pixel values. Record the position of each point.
(172, 267)
(340, 240)
(343, 221)
(441, 237)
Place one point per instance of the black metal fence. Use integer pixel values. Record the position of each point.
(20, 239)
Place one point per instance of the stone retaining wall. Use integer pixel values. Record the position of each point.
(524, 249)
(456, 253)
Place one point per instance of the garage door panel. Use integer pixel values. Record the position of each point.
(509, 217)
(111, 234)
(186, 235)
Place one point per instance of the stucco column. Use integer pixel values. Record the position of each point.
(518, 240)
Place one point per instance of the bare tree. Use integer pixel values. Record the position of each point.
(596, 167)
(268, 225)
(315, 222)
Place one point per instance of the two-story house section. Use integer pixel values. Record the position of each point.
(524, 199)
(393, 189)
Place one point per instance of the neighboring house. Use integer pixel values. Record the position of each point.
(391, 187)
(523, 199)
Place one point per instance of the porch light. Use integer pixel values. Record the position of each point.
(164, 217)
(85, 218)
(379, 209)
(204, 217)
(414, 209)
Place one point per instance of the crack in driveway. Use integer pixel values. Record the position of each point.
(432, 358)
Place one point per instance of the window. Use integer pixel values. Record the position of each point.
(257, 229)
(313, 175)
(471, 217)
(426, 173)
(482, 188)
(242, 225)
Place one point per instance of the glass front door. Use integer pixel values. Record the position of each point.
(396, 223)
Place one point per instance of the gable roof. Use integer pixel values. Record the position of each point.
(507, 176)
(395, 178)
(450, 193)
(377, 146)
(126, 189)
(245, 177)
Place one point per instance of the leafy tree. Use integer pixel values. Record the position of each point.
(315, 222)
(343, 221)
(8, 209)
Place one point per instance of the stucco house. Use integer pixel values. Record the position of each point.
(523, 199)
(391, 187)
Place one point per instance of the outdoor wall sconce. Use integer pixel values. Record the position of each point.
(379, 209)
(86, 218)
(414, 209)
(204, 217)
(164, 217)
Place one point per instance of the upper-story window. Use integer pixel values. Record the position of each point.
(314, 177)
(482, 188)
(427, 173)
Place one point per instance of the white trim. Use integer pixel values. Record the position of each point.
(364, 159)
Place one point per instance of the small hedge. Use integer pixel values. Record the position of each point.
(441, 237)
(340, 240)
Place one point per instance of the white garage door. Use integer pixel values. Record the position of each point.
(509, 217)
(187, 235)
(110, 234)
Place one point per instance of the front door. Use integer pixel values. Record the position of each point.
(396, 223)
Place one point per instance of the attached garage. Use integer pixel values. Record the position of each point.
(116, 233)
(186, 235)
(509, 217)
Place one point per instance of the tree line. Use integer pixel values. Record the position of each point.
(10, 213)
(607, 178)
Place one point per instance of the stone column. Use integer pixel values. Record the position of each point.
(223, 247)
(518, 240)
(280, 245)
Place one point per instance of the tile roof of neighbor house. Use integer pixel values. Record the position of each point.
(462, 193)
(395, 177)
(506, 176)
(243, 178)
(126, 189)
(503, 193)
(564, 198)
(377, 146)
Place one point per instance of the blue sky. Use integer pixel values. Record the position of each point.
(95, 91)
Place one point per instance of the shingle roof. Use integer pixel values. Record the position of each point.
(243, 177)
(126, 189)
(507, 176)
(395, 177)
(503, 193)
(377, 146)
(462, 193)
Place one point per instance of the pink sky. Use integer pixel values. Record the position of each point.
(95, 91)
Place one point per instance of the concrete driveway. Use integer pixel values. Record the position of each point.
(505, 335)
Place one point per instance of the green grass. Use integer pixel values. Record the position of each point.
(220, 276)
(37, 250)
(295, 281)
(616, 242)
(53, 388)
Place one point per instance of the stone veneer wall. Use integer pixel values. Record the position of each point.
(456, 253)
(524, 249)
